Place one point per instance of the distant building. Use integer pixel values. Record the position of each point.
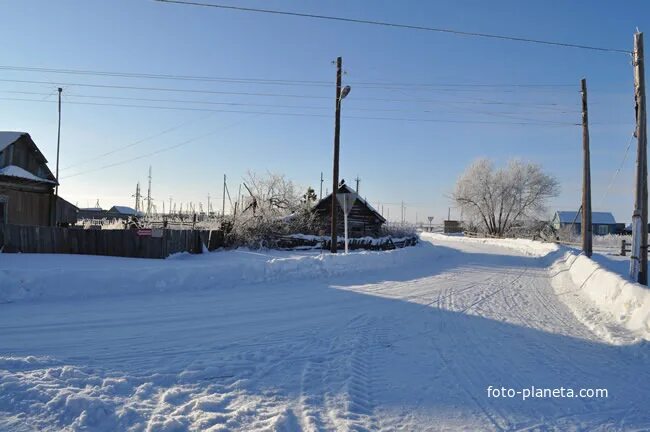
(92, 213)
(363, 219)
(115, 212)
(66, 213)
(603, 223)
(27, 185)
(124, 211)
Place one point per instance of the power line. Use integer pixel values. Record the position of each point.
(187, 101)
(164, 149)
(521, 123)
(134, 143)
(293, 82)
(396, 25)
(300, 96)
(163, 76)
(206, 102)
(167, 89)
(455, 89)
(618, 170)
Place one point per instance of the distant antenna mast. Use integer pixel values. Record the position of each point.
(137, 198)
(149, 194)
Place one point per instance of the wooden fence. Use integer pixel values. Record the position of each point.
(123, 243)
(385, 243)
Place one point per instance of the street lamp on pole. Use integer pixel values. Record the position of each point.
(341, 93)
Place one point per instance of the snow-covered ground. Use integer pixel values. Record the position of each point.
(409, 340)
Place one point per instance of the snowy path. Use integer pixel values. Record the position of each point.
(406, 347)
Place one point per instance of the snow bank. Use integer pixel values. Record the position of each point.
(610, 305)
(617, 300)
(525, 246)
(45, 276)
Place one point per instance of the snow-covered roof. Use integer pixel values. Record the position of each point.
(16, 171)
(8, 137)
(605, 218)
(125, 210)
(363, 201)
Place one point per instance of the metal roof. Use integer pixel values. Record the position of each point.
(604, 218)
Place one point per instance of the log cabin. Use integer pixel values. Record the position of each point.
(27, 185)
(363, 219)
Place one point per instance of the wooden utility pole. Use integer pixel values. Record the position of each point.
(586, 176)
(358, 180)
(58, 146)
(639, 255)
(335, 169)
(320, 197)
(223, 199)
(54, 219)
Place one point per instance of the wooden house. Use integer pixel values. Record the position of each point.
(602, 222)
(26, 183)
(363, 219)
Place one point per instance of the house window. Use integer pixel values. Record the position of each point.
(3, 209)
(603, 229)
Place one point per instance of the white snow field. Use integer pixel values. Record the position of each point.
(282, 341)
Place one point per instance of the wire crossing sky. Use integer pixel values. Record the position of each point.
(396, 25)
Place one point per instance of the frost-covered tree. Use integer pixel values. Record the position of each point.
(310, 196)
(274, 207)
(499, 198)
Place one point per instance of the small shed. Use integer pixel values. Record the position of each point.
(603, 223)
(66, 212)
(363, 219)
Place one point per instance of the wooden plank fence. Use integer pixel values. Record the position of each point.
(122, 243)
(387, 243)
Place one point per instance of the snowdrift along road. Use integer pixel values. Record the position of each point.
(403, 340)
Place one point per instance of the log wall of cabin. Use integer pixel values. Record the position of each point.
(22, 154)
(27, 204)
(361, 221)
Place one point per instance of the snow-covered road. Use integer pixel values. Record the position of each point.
(411, 345)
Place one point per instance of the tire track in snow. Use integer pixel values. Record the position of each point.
(312, 396)
(337, 388)
(445, 301)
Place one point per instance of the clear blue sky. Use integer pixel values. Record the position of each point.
(414, 161)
